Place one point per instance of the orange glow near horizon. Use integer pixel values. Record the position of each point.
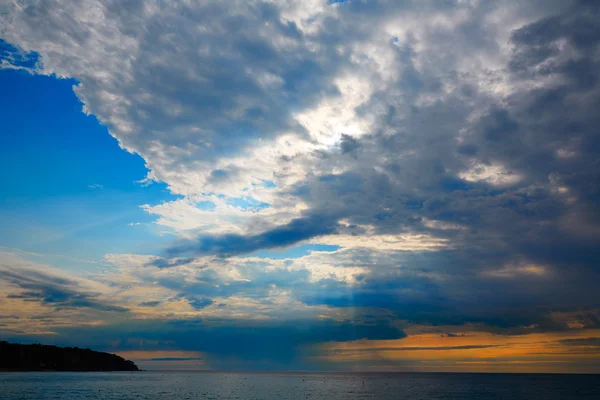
(561, 352)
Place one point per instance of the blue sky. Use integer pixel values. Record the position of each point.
(63, 175)
(314, 185)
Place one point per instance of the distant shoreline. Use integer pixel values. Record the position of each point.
(67, 370)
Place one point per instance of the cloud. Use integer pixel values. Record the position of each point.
(224, 344)
(409, 286)
(199, 304)
(297, 230)
(38, 299)
(448, 151)
(149, 303)
(591, 342)
(435, 348)
(62, 298)
(492, 353)
(13, 58)
(49, 287)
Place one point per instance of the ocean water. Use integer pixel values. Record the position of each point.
(293, 386)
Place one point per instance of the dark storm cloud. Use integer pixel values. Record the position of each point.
(542, 208)
(397, 284)
(285, 235)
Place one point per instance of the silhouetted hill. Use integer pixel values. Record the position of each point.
(37, 357)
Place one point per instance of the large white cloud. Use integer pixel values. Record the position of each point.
(216, 96)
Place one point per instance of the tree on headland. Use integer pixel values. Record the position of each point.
(38, 357)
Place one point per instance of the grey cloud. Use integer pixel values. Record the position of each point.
(208, 78)
(591, 342)
(170, 263)
(348, 144)
(413, 172)
(392, 349)
(408, 171)
(286, 235)
(219, 175)
(54, 291)
(201, 303)
(149, 303)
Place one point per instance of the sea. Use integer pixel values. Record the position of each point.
(293, 386)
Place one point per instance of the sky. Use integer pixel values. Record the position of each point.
(318, 185)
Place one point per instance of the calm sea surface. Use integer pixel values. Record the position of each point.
(292, 386)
